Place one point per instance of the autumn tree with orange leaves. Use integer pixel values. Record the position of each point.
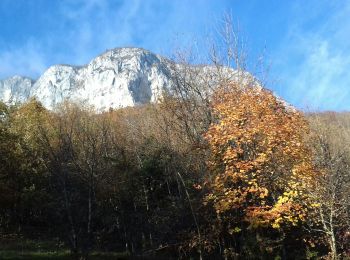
(259, 165)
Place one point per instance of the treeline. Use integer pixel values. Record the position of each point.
(239, 175)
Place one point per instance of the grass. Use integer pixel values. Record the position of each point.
(9, 254)
(62, 255)
(18, 248)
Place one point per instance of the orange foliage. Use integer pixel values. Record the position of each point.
(259, 163)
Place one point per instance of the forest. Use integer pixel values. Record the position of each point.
(237, 174)
(218, 168)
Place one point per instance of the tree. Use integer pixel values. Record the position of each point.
(22, 168)
(259, 164)
(78, 147)
(331, 197)
(9, 169)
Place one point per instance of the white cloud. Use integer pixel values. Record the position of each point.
(27, 60)
(97, 25)
(82, 29)
(314, 59)
(321, 80)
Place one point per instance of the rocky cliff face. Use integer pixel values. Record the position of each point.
(118, 78)
(15, 89)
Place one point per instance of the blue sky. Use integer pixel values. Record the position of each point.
(306, 44)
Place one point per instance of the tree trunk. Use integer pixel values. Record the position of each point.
(333, 245)
(73, 238)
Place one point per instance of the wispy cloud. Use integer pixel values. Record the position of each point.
(79, 30)
(310, 41)
(314, 59)
(26, 60)
(151, 24)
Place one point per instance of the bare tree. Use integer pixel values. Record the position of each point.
(330, 133)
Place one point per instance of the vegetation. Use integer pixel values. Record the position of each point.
(261, 180)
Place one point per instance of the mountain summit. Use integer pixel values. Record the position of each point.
(118, 78)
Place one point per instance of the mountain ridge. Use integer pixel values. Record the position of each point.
(118, 77)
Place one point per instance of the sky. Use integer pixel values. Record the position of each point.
(304, 46)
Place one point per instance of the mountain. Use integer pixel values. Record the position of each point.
(15, 89)
(118, 78)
